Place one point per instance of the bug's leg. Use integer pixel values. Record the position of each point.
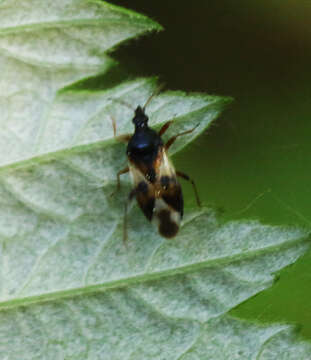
(186, 177)
(129, 200)
(165, 127)
(121, 172)
(172, 139)
(114, 125)
(122, 138)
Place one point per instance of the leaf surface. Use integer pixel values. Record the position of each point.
(69, 286)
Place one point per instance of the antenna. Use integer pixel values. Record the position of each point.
(122, 102)
(155, 93)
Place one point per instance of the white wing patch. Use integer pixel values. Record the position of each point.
(166, 168)
(161, 205)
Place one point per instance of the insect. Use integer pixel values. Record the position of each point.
(155, 185)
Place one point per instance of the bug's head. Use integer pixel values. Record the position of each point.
(140, 120)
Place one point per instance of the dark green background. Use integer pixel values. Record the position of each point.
(255, 161)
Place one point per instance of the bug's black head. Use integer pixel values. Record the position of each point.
(140, 120)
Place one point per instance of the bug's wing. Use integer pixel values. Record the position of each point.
(169, 205)
(144, 192)
(161, 201)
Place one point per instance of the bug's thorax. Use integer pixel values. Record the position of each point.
(144, 146)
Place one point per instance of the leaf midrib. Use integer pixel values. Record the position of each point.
(142, 278)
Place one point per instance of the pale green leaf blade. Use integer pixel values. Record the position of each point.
(80, 120)
(44, 46)
(228, 338)
(117, 324)
(69, 286)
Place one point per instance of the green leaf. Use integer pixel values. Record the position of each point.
(44, 47)
(70, 288)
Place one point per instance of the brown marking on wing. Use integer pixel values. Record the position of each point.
(173, 198)
(169, 190)
(145, 198)
(167, 227)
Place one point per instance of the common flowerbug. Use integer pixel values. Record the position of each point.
(155, 185)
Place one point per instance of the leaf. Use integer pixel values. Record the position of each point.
(44, 47)
(69, 286)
